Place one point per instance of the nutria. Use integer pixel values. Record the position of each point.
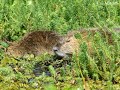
(36, 42)
(72, 44)
(39, 42)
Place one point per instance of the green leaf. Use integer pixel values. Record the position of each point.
(4, 44)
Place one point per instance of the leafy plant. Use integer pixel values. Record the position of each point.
(99, 70)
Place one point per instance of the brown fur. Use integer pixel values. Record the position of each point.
(37, 42)
(72, 45)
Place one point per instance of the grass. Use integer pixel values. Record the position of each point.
(85, 71)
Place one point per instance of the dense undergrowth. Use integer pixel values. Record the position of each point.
(100, 71)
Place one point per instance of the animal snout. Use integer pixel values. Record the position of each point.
(55, 49)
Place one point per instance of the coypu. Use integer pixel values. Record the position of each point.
(39, 42)
(36, 42)
(72, 45)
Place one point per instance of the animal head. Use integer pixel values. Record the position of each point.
(69, 46)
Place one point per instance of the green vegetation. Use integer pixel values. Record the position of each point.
(100, 71)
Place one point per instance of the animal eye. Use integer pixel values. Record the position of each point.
(68, 41)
